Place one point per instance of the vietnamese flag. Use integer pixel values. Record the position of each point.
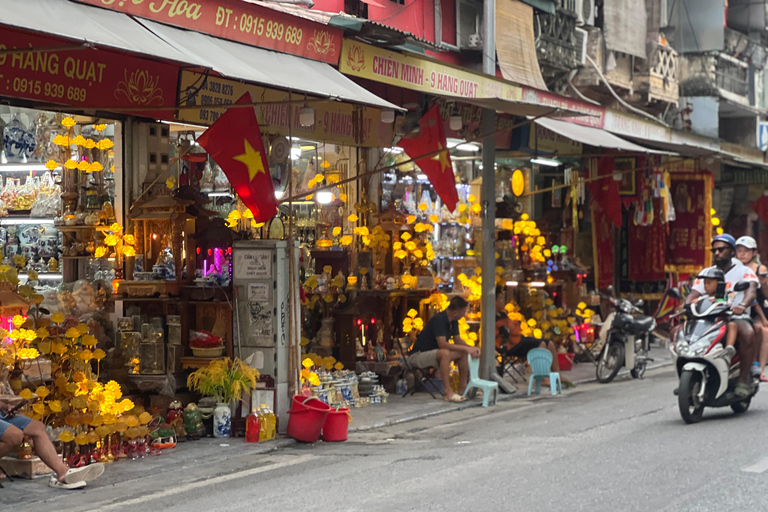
(438, 168)
(235, 144)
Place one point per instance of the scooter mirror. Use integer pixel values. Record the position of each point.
(674, 293)
(639, 303)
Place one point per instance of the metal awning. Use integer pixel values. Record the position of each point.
(593, 136)
(284, 71)
(86, 24)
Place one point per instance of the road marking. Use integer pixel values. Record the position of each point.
(760, 466)
(211, 481)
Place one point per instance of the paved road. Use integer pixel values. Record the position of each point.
(620, 446)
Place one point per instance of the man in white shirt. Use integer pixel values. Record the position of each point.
(723, 254)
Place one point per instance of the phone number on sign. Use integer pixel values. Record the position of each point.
(271, 29)
(47, 89)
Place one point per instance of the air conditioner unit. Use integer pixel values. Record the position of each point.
(580, 37)
(568, 5)
(585, 12)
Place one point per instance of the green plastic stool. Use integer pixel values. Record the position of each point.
(540, 360)
(475, 383)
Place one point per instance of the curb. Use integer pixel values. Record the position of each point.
(625, 373)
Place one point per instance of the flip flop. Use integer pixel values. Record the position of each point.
(763, 378)
(455, 398)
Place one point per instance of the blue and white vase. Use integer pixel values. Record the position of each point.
(18, 142)
(222, 420)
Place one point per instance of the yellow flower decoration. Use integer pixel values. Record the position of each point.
(39, 408)
(129, 251)
(336, 231)
(95, 167)
(328, 298)
(307, 363)
(105, 144)
(89, 340)
(405, 236)
(111, 240)
(83, 328)
(101, 251)
(423, 207)
(42, 392)
(51, 165)
(338, 366)
(346, 240)
(68, 122)
(55, 406)
(70, 164)
(99, 354)
(314, 379)
(17, 320)
(353, 218)
(27, 353)
(72, 333)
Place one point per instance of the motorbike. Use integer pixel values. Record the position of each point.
(625, 338)
(706, 378)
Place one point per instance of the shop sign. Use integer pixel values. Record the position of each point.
(591, 115)
(548, 141)
(239, 21)
(84, 78)
(472, 118)
(334, 121)
(419, 74)
(690, 233)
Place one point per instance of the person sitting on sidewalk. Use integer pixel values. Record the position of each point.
(509, 338)
(13, 428)
(433, 350)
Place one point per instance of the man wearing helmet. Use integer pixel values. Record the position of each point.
(723, 252)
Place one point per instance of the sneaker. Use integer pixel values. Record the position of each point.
(743, 390)
(84, 474)
(756, 370)
(54, 482)
(729, 353)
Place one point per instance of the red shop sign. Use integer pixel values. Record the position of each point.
(84, 78)
(241, 22)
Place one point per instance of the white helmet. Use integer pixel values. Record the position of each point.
(748, 242)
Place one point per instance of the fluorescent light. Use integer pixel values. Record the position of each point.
(538, 284)
(324, 197)
(396, 150)
(467, 146)
(549, 162)
(23, 167)
(200, 126)
(219, 194)
(279, 195)
(295, 153)
(41, 276)
(511, 283)
(11, 221)
(422, 177)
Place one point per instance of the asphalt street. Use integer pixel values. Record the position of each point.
(619, 446)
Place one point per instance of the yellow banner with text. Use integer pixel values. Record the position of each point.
(337, 123)
(365, 61)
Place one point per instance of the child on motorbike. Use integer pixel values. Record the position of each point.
(712, 277)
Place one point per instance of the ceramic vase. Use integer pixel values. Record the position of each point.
(222, 420)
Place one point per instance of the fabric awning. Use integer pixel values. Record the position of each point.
(516, 44)
(87, 24)
(593, 136)
(265, 67)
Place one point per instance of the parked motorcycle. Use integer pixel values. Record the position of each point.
(625, 340)
(706, 379)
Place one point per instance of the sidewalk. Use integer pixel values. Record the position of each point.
(421, 405)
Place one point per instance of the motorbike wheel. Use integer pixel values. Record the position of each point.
(687, 397)
(609, 364)
(740, 407)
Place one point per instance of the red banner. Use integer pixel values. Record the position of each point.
(647, 249)
(84, 78)
(691, 232)
(241, 22)
(603, 241)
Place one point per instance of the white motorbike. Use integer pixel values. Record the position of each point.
(625, 339)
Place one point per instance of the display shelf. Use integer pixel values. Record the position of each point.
(82, 228)
(194, 363)
(77, 257)
(15, 220)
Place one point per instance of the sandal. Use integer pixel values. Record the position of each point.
(455, 398)
(763, 378)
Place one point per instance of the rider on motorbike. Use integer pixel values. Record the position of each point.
(723, 254)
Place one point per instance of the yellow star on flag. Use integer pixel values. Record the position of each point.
(442, 158)
(252, 159)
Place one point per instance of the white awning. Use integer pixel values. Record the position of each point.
(86, 24)
(265, 67)
(593, 136)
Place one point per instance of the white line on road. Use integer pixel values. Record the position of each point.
(760, 466)
(211, 481)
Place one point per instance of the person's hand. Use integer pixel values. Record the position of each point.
(738, 310)
(5, 410)
(474, 352)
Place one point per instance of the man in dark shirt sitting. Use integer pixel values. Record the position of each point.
(433, 350)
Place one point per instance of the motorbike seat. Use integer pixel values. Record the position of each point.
(641, 324)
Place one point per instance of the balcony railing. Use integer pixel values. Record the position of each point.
(656, 78)
(731, 74)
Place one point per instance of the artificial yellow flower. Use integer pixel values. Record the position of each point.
(307, 363)
(72, 333)
(68, 122)
(314, 379)
(27, 353)
(70, 164)
(339, 366)
(100, 252)
(346, 240)
(83, 328)
(89, 340)
(26, 394)
(39, 408)
(336, 231)
(129, 251)
(17, 320)
(105, 144)
(55, 406)
(111, 240)
(51, 165)
(42, 392)
(405, 236)
(99, 354)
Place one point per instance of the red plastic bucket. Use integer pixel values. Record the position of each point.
(566, 361)
(336, 427)
(307, 416)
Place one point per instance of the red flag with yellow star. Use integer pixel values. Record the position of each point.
(438, 168)
(235, 144)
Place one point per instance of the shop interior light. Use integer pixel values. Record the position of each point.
(9, 221)
(538, 284)
(468, 146)
(22, 167)
(295, 153)
(455, 123)
(549, 162)
(388, 116)
(324, 197)
(394, 149)
(511, 283)
(219, 194)
(306, 116)
(43, 276)
(422, 177)
(279, 194)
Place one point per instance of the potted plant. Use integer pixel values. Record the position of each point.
(225, 380)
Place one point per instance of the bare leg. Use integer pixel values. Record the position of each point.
(732, 334)
(45, 450)
(11, 440)
(463, 365)
(763, 350)
(444, 367)
(746, 349)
